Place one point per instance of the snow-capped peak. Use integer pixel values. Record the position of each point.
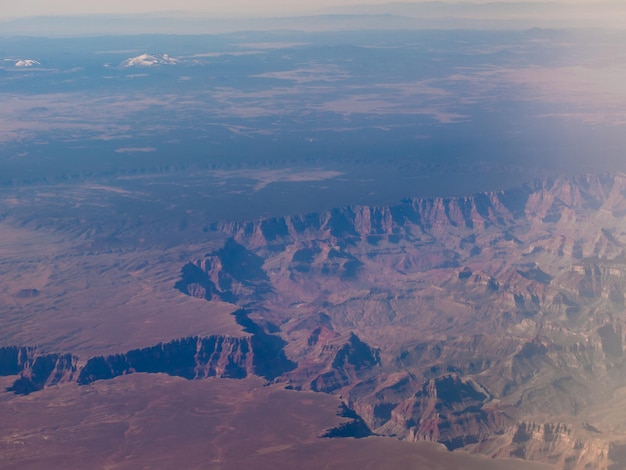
(26, 63)
(148, 60)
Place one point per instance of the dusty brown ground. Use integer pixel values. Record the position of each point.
(157, 421)
(90, 301)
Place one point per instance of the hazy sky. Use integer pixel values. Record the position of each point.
(20, 8)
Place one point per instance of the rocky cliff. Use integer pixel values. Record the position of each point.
(36, 370)
(192, 358)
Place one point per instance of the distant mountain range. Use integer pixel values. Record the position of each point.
(410, 15)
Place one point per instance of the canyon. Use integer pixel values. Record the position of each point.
(492, 323)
